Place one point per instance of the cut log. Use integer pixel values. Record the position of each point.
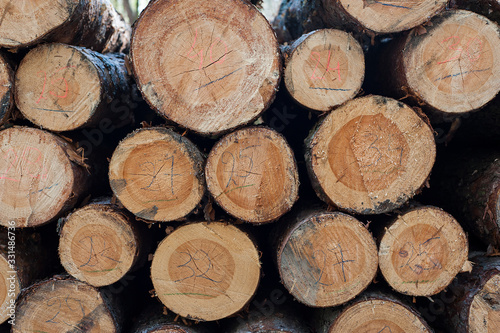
(422, 251)
(326, 259)
(99, 244)
(157, 174)
(297, 17)
(205, 271)
(252, 174)
(64, 305)
(61, 87)
(370, 156)
(90, 23)
(324, 68)
(209, 66)
(373, 312)
(41, 176)
(6, 90)
(453, 67)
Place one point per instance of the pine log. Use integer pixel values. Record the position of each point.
(64, 305)
(205, 271)
(372, 312)
(369, 156)
(209, 66)
(326, 259)
(6, 90)
(90, 23)
(252, 174)
(157, 174)
(422, 251)
(99, 244)
(61, 87)
(451, 67)
(323, 69)
(297, 17)
(41, 176)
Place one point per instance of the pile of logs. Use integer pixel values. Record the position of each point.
(336, 170)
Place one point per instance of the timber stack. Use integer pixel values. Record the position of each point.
(278, 174)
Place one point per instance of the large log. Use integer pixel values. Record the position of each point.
(61, 87)
(209, 66)
(323, 69)
(157, 174)
(369, 156)
(252, 174)
(6, 89)
(297, 17)
(41, 176)
(422, 251)
(205, 271)
(90, 23)
(326, 259)
(451, 67)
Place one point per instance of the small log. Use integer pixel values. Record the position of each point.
(41, 176)
(451, 67)
(64, 305)
(297, 17)
(99, 244)
(6, 90)
(61, 87)
(369, 156)
(422, 251)
(205, 271)
(324, 69)
(90, 23)
(326, 259)
(252, 174)
(157, 174)
(209, 66)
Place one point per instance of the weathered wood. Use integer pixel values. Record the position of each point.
(6, 90)
(209, 66)
(252, 174)
(64, 305)
(422, 250)
(369, 156)
(451, 67)
(61, 87)
(297, 17)
(326, 259)
(157, 174)
(41, 176)
(205, 271)
(90, 23)
(323, 69)
(99, 244)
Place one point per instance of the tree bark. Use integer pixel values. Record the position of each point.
(157, 174)
(205, 271)
(369, 156)
(324, 69)
(61, 87)
(6, 90)
(90, 23)
(252, 174)
(422, 251)
(41, 176)
(200, 71)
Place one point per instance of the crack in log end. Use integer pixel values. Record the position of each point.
(118, 185)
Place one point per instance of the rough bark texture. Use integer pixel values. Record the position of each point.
(61, 87)
(157, 174)
(252, 174)
(422, 251)
(6, 90)
(90, 23)
(209, 66)
(42, 176)
(369, 156)
(324, 69)
(326, 259)
(205, 271)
